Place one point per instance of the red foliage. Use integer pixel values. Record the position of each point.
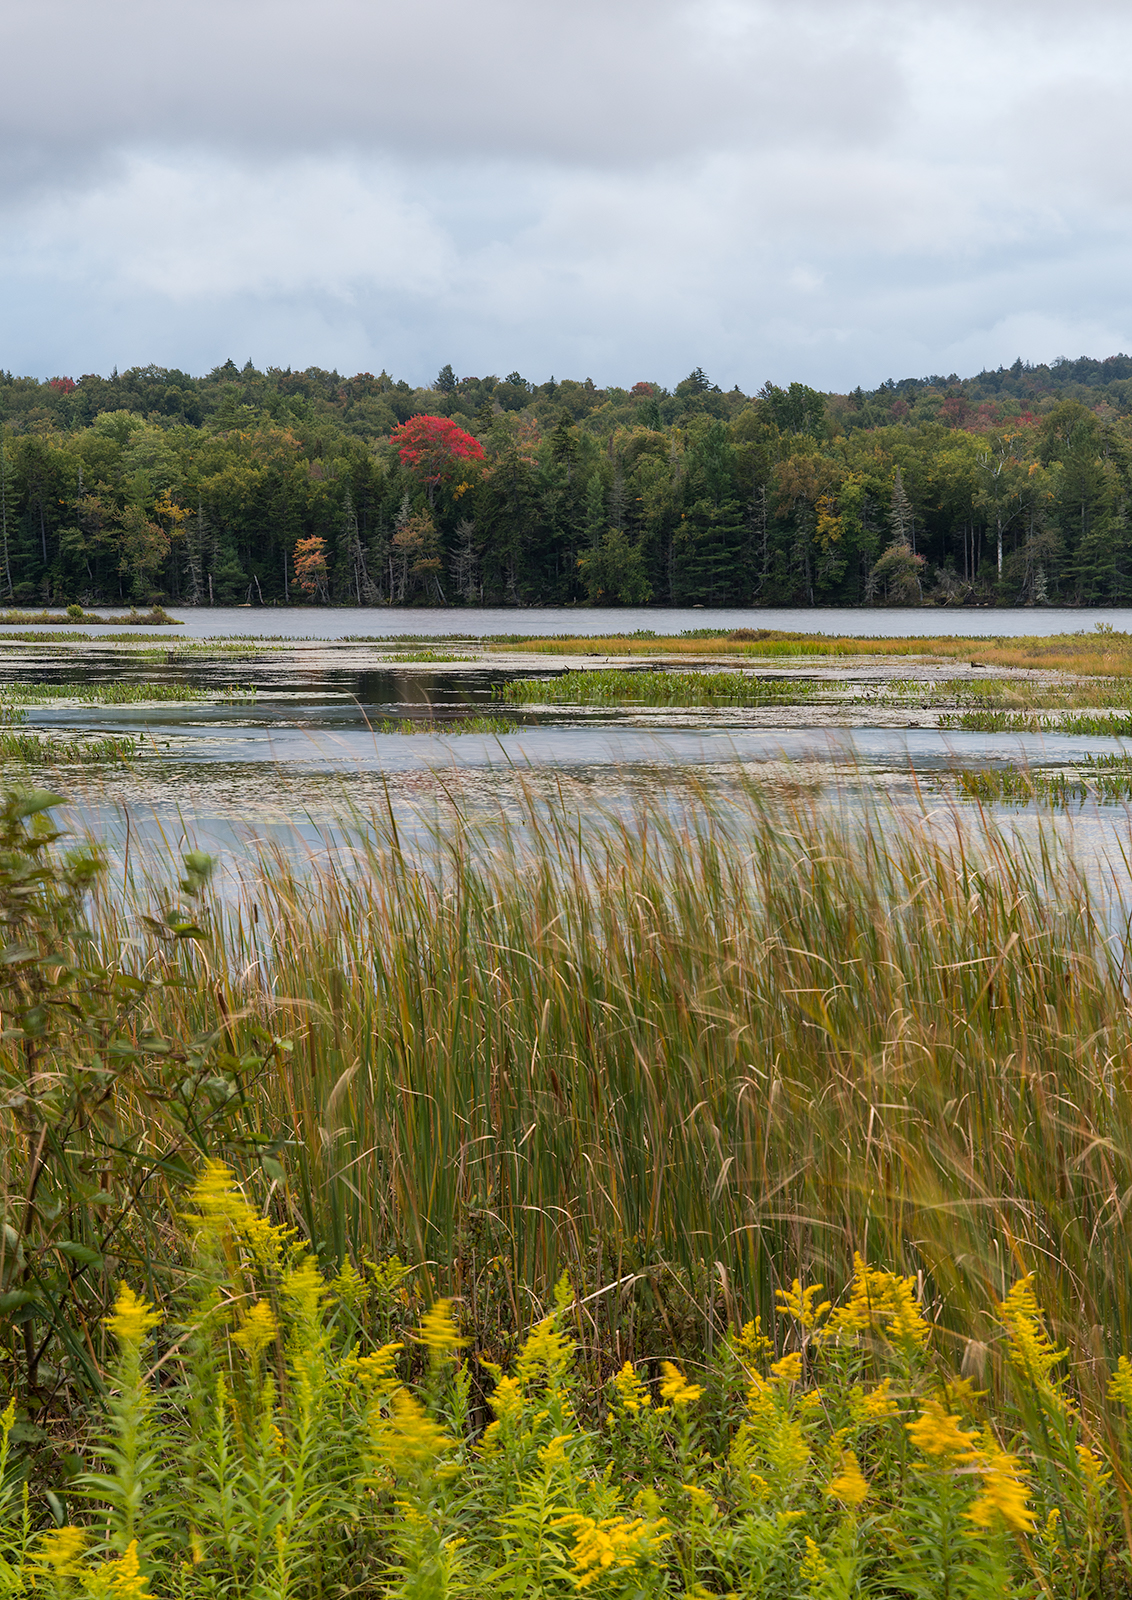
(62, 385)
(433, 447)
(643, 391)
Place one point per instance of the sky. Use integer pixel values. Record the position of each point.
(833, 191)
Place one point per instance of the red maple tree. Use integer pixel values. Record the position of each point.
(434, 448)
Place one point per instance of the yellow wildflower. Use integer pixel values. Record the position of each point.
(553, 1455)
(814, 1564)
(439, 1333)
(1090, 1465)
(760, 1398)
(798, 1303)
(222, 1211)
(937, 1433)
(546, 1354)
(506, 1400)
(629, 1393)
(411, 1440)
(880, 1300)
(258, 1330)
(132, 1318)
(348, 1286)
(789, 1369)
(785, 1448)
(120, 1580)
(614, 1542)
(878, 1404)
(1030, 1347)
(61, 1550)
(378, 1371)
(305, 1287)
(1120, 1384)
(1004, 1495)
(752, 1343)
(700, 1498)
(675, 1388)
(850, 1485)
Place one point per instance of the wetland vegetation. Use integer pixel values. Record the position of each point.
(484, 1174)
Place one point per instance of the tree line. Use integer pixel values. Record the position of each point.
(277, 487)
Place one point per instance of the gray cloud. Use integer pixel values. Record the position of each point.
(829, 189)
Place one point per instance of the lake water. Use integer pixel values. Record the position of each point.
(321, 622)
(287, 764)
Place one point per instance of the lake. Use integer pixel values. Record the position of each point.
(293, 736)
(322, 622)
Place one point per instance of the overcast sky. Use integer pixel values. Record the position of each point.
(830, 190)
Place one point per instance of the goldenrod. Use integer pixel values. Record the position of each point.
(850, 1485)
(257, 1331)
(133, 1318)
(439, 1333)
(629, 1393)
(798, 1303)
(937, 1433)
(675, 1388)
(789, 1369)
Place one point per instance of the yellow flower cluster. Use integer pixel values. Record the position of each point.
(547, 1354)
(789, 1369)
(675, 1388)
(937, 1433)
(439, 1333)
(257, 1331)
(1030, 1347)
(629, 1393)
(612, 1542)
(1003, 1495)
(119, 1580)
(850, 1486)
(378, 1372)
(225, 1216)
(798, 1303)
(880, 1301)
(1120, 1384)
(410, 1440)
(133, 1318)
(876, 1406)
(61, 1551)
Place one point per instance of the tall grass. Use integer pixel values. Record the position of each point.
(686, 1057)
(690, 1059)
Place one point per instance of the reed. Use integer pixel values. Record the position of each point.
(691, 1057)
(687, 1055)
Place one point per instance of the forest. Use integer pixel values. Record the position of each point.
(285, 487)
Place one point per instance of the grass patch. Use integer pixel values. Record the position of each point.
(616, 686)
(447, 726)
(42, 750)
(106, 692)
(156, 616)
(1102, 651)
(1091, 724)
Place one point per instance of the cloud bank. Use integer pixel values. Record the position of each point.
(830, 190)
